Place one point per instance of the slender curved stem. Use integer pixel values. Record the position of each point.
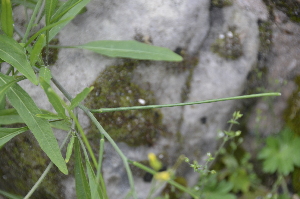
(103, 110)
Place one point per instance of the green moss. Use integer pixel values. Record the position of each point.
(228, 45)
(22, 163)
(221, 3)
(265, 38)
(290, 7)
(292, 112)
(114, 88)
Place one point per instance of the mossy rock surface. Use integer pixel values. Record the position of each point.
(114, 88)
(292, 112)
(228, 45)
(290, 7)
(22, 163)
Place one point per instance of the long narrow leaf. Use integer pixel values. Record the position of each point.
(14, 54)
(7, 18)
(80, 97)
(37, 48)
(131, 49)
(7, 134)
(82, 187)
(50, 7)
(47, 28)
(40, 127)
(67, 18)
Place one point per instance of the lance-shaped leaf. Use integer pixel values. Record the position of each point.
(12, 53)
(40, 127)
(80, 97)
(37, 48)
(7, 18)
(7, 134)
(70, 148)
(82, 185)
(131, 49)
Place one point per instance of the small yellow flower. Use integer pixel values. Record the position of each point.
(154, 162)
(164, 175)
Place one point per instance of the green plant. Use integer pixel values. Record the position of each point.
(280, 155)
(26, 62)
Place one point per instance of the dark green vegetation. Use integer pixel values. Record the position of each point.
(221, 3)
(114, 88)
(22, 163)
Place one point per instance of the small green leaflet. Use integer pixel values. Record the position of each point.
(40, 127)
(36, 50)
(80, 97)
(12, 53)
(7, 134)
(130, 49)
(70, 148)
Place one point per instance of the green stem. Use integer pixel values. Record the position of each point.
(33, 16)
(85, 140)
(103, 110)
(101, 150)
(103, 132)
(115, 146)
(40, 180)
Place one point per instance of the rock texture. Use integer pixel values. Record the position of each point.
(221, 46)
